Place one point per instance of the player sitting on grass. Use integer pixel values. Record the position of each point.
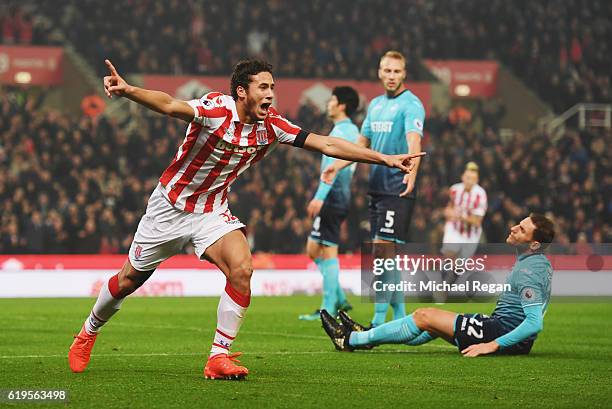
(513, 327)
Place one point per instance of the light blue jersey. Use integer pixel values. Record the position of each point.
(340, 194)
(386, 125)
(530, 281)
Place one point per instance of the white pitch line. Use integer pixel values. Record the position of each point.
(165, 354)
(198, 329)
(206, 330)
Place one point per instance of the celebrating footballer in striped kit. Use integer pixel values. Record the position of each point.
(224, 137)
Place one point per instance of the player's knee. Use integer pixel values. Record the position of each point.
(311, 253)
(422, 317)
(312, 249)
(240, 276)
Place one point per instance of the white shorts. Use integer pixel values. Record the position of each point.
(458, 244)
(164, 230)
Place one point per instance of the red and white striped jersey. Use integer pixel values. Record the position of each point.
(217, 148)
(469, 203)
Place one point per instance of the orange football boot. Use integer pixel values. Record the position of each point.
(80, 350)
(222, 366)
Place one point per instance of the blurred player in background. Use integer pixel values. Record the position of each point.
(225, 135)
(464, 213)
(393, 125)
(512, 329)
(330, 206)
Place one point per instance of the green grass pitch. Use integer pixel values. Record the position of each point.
(151, 355)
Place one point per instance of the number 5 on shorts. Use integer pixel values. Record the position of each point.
(390, 218)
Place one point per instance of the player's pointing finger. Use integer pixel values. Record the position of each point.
(111, 67)
(416, 155)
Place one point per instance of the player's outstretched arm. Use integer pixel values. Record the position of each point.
(330, 173)
(157, 101)
(341, 163)
(342, 149)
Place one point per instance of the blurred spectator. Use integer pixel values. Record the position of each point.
(560, 48)
(93, 105)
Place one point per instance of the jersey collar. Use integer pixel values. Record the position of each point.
(388, 97)
(235, 117)
(523, 256)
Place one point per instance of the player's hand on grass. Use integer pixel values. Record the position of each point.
(314, 208)
(113, 83)
(480, 349)
(329, 174)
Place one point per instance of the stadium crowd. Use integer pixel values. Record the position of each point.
(558, 47)
(79, 185)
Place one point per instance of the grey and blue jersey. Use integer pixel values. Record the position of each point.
(530, 285)
(340, 193)
(387, 122)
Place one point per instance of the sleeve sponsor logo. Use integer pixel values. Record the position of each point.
(418, 124)
(528, 294)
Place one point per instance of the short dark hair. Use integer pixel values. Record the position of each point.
(349, 97)
(544, 232)
(241, 76)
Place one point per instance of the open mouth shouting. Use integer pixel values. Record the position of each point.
(262, 111)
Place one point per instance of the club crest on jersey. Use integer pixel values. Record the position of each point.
(138, 252)
(261, 136)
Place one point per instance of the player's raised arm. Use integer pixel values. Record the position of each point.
(341, 149)
(157, 101)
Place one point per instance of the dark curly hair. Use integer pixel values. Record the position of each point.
(241, 76)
